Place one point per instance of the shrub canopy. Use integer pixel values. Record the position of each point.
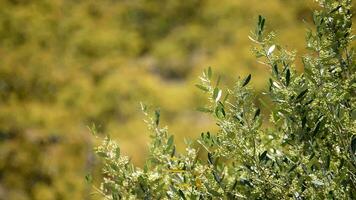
(307, 151)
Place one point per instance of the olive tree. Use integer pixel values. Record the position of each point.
(307, 150)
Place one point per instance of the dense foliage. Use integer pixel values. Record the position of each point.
(307, 152)
(65, 64)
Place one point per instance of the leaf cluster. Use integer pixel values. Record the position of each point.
(308, 152)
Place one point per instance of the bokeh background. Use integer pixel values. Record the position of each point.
(68, 64)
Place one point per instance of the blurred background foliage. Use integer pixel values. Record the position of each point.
(67, 64)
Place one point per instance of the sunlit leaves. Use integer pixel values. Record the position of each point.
(270, 50)
(307, 150)
(217, 94)
(260, 28)
(205, 89)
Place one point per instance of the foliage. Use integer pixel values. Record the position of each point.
(66, 64)
(308, 152)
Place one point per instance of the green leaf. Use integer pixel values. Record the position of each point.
(226, 97)
(89, 178)
(210, 158)
(205, 89)
(234, 185)
(157, 116)
(247, 80)
(287, 77)
(327, 162)
(215, 93)
(102, 154)
(275, 70)
(145, 168)
(220, 111)
(170, 141)
(316, 129)
(270, 84)
(218, 96)
(117, 152)
(353, 145)
(262, 23)
(263, 156)
(218, 81)
(257, 113)
(246, 182)
(217, 177)
(271, 49)
(115, 196)
(181, 194)
(205, 110)
(173, 151)
(210, 73)
(292, 168)
(301, 95)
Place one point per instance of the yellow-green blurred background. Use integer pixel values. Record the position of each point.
(66, 64)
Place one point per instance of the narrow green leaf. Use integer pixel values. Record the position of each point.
(247, 80)
(157, 116)
(309, 102)
(102, 154)
(115, 196)
(117, 151)
(270, 84)
(89, 178)
(173, 151)
(263, 156)
(170, 141)
(275, 70)
(259, 19)
(217, 177)
(316, 129)
(218, 96)
(353, 145)
(218, 81)
(210, 158)
(271, 49)
(205, 89)
(226, 97)
(145, 168)
(301, 95)
(234, 185)
(239, 118)
(287, 77)
(210, 73)
(246, 182)
(220, 111)
(262, 23)
(215, 93)
(205, 110)
(257, 113)
(292, 168)
(181, 194)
